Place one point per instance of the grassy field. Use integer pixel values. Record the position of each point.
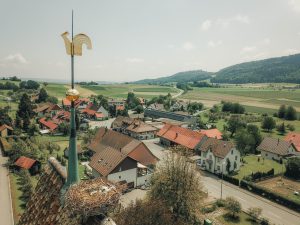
(252, 165)
(243, 219)
(121, 90)
(263, 99)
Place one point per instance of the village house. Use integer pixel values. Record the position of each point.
(116, 102)
(103, 111)
(218, 156)
(171, 135)
(119, 158)
(32, 165)
(294, 138)
(212, 133)
(276, 149)
(6, 130)
(92, 114)
(48, 109)
(121, 123)
(141, 131)
(47, 126)
(179, 106)
(157, 106)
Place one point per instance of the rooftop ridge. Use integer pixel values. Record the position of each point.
(55, 164)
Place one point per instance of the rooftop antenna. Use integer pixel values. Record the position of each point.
(73, 48)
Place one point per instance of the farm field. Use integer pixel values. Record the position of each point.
(121, 90)
(282, 186)
(252, 165)
(260, 97)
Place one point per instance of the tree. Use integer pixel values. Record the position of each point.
(103, 101)
(228, 165)
(178, 185)
(52, 99)
(233, 206)
(139, 109)
(291, 113)
(255, 212)
(26, 123)
(193, 107)
(248, 139)
(18, 122)
(293, 168)
(281, 128)
(146, 213)
(4, 117)
(31, 129)
(64, 128)
(25, 107)
(234, 123)
(45, 84)
(268, 123)
(132, 101)
(30, 84)
(27, 187)
(281, 111)
(43, 95)
(212, 117)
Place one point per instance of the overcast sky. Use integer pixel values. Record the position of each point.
(137, 39)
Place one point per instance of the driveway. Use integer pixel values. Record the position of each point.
(6, 214)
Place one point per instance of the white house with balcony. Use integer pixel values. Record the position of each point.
(219, 156)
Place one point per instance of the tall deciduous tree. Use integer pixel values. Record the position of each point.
(234, 123)
(268, 123)
(177, 183)
(281, 111)
(43, 95)
(291, 113)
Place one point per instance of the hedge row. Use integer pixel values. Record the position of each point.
(229, 179)
(270, 195)
(259, 175)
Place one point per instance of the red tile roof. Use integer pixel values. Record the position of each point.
(99, 115)
(51, 125)
(182, 136)
(89, 111)
(66, 102)
(24, 162)
(294, 138)
(213, 133)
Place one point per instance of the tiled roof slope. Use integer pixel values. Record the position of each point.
(275, 146)
(218, 147)
(44, 207)
(182, 136)
(25, 162)
(294, 138)
(213, 133)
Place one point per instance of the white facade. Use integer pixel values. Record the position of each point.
(214, 164)
(277, 157)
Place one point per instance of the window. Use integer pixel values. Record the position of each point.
(218, 167)
(120, 177)
(120, 169)
(231, 152)
(236, 157)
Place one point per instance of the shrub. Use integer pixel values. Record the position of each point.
(255, 212)
(230, 179)
(233, 206)
(220, 203)
(264, 221)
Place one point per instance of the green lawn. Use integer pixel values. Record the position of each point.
(243, 219)
(57, 90)
(16, 194)
(252, 165)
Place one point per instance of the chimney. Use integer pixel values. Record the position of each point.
(278, 142)
(176, 135)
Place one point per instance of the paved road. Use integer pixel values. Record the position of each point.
(5, 199)
(277, 214)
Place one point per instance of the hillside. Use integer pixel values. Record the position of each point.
(187, 76)
(282, 69)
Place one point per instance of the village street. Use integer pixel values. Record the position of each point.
(5, 198)
(277, 214)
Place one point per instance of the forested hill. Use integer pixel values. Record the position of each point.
(187, 76)
(282, 69)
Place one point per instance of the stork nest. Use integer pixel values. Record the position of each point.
(92, 197)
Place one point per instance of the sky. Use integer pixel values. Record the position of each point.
(138, 39)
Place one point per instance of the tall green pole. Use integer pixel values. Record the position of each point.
(73, 176)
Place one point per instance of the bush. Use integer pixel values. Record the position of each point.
(255, 212)
(220, 203)
(209, 209)
(233, 206)
(264, 221)
(293, 168)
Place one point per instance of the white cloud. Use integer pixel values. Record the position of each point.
(213, 44)
(188, 46)
(206, 24)
(291, 51)
(14, 59)
(266, 41)
(239, 18)
(295, 5)
(247, 49)
(134, 60)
